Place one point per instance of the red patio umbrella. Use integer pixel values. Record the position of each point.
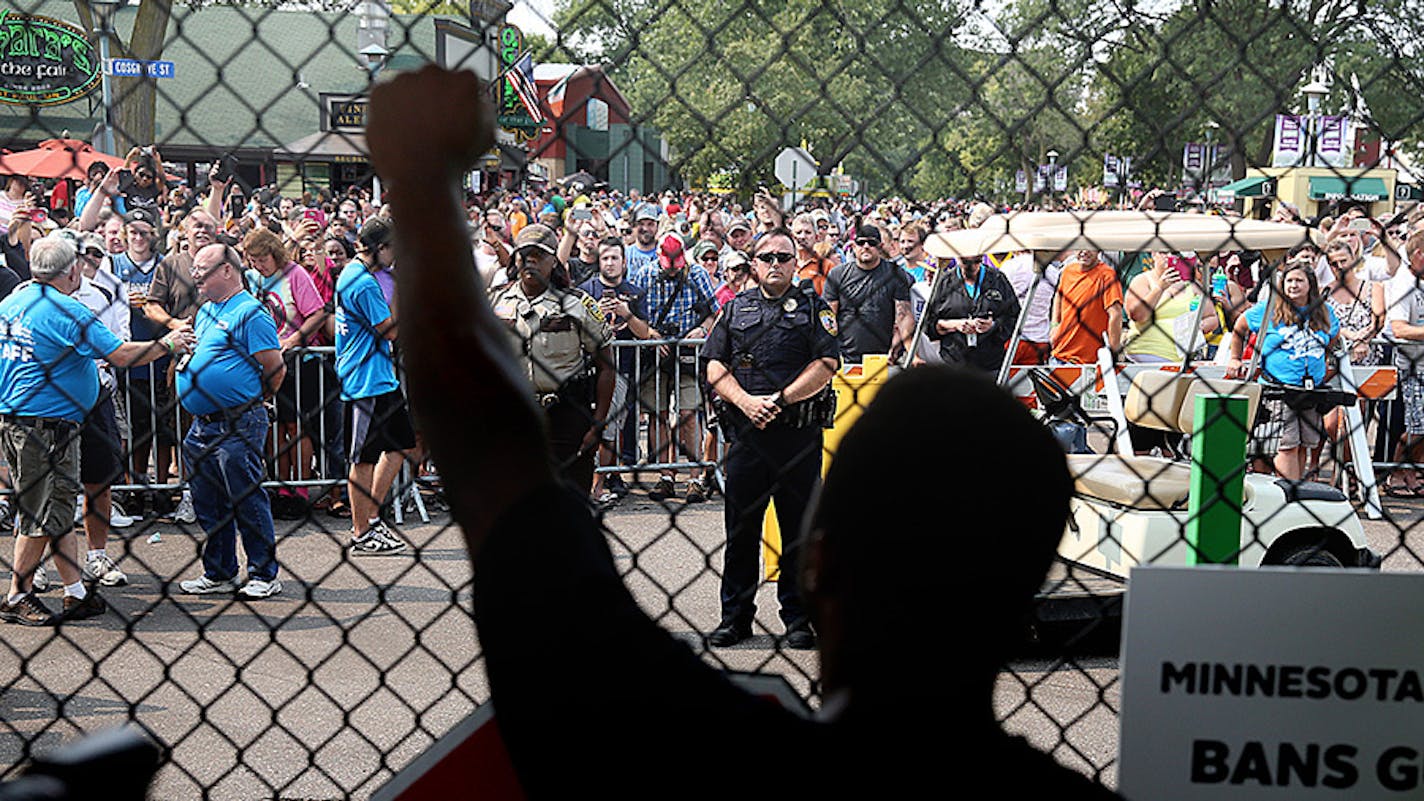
(56, 158)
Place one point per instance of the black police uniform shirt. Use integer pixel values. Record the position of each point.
(767, 342)
(866, 314)
(993, 297)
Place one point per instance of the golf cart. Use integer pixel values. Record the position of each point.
(1130, 509)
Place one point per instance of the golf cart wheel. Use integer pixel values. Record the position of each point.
(1309, 556)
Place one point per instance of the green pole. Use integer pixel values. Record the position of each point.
(1218, 476)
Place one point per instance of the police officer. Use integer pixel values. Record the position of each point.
(563, 345)
(769, 359)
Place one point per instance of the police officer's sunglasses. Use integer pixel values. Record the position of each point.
(775, 256)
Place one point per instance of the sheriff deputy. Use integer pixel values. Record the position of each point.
(563, 344)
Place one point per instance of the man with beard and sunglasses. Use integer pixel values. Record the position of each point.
(871, 300)
(770, 357)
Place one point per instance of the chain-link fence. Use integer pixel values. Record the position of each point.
(758, 213)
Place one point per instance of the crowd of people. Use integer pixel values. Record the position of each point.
(625, 310)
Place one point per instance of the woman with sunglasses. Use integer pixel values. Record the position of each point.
(147, 188)
(972, 314)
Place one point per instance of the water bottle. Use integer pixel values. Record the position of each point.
(1218, 284)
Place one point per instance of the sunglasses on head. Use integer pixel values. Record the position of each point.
(775, 256)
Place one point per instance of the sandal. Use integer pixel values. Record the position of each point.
(1398, 491)
(607, 500)
(339, 508)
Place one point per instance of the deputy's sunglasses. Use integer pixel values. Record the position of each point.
(777, 256)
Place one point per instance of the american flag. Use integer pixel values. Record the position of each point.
(521, 80)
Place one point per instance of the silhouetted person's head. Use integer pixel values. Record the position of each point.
(937, 522)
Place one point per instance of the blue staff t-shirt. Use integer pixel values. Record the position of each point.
(224, 371)
(48, 344)
(363, 357)
(1292, 351)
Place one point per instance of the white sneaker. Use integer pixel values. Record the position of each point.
(184, 513)
(202, 585)
(379, 540)
(102, 569)
(40, 582)
(257, 588)
(117, 518)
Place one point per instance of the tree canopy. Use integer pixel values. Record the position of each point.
(949, 97)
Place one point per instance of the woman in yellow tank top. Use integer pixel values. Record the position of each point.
(1156, 302)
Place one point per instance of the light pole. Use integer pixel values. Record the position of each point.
(106, 9)
(1314, 92)
(1052, 172)
(1211, 129)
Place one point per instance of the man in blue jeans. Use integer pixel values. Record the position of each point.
(236, 363)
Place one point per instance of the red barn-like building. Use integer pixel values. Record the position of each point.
(591, 129)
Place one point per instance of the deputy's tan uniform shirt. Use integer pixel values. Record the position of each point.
(552, 332)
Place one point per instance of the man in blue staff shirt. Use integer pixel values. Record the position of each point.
(236, 363)
(48, 383)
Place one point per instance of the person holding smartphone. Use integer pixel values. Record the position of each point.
(972, 314)
(623, 308)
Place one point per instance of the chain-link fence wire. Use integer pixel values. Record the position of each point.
(917, 121)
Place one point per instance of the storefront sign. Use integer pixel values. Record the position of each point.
(45, 61)
(1272, 684)
(346, 114)
(513, 112)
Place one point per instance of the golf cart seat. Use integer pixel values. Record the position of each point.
(1165, 401)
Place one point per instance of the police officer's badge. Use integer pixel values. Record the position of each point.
(789, 305)
(828, 322)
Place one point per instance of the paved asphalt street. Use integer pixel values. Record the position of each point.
(326, 690)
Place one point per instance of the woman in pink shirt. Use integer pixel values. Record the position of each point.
(289, 294)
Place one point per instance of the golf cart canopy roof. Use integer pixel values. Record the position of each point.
(1126, 231)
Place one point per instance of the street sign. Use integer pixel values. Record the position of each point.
(1265, 684)
(135, 68)
(795, 168)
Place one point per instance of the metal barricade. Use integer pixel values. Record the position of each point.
(639, 362)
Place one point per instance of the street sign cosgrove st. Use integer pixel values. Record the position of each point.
(44, 61)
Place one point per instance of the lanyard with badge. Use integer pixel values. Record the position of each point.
(972, 338)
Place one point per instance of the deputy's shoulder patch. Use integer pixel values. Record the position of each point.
(828, 322)
(591, 304)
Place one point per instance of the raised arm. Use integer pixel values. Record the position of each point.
(486, 469)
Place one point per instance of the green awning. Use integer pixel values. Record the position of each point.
(1332, 187)
(1408, 192)
(1250, 186)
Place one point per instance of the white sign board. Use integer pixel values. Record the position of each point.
(795, 168)
(1272, 684)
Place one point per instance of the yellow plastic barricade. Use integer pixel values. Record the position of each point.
(854, 386)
